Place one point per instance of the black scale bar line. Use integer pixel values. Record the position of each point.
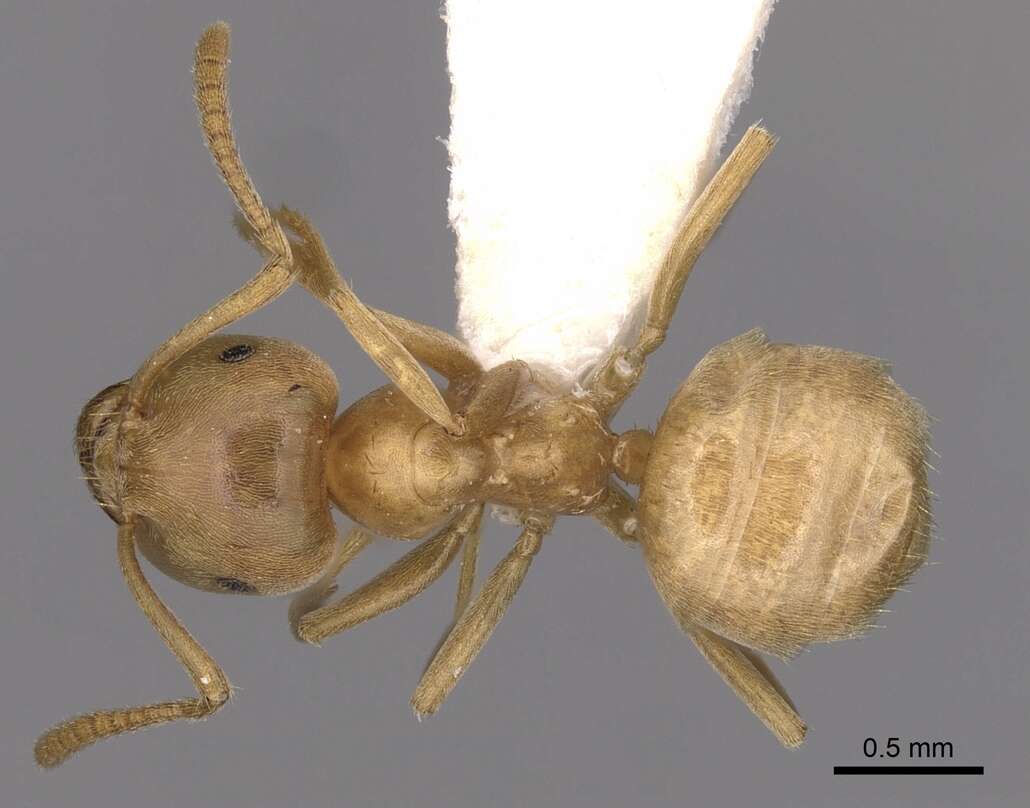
(908, 769)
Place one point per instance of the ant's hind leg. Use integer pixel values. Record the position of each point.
(743, 670)
(621, 373)
(618, 513)
(753, 683)
(478, 621)
(396, 585)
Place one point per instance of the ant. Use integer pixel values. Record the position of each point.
(782, 496)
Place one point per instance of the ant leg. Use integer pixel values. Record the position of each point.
(466, 579)
(396, 585)
(67, 738)
(743, 670)
(618, 513)
(374, 337)
(478, 621)
(441, 351)
(438, 349)
(383, 346)
(619, 375)
(467, 573)
(325, 587)
(494, 395)
(210, 69)
(753, 683)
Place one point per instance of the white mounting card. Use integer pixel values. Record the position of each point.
(581, 131)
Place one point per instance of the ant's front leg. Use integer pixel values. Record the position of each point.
(495, 391)
(376, 337)
(396, 585)
(445, 354)
(325, 587)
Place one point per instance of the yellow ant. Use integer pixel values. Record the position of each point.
(782, 497)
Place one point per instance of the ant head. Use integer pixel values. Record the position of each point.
(224, 472)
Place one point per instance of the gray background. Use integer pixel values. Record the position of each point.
(892, 219)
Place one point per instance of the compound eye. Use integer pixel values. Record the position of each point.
(234, 585)
(236, 353)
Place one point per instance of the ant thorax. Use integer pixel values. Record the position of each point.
(553, 455)
(400, 474)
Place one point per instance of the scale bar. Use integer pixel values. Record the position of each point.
(908, 769)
